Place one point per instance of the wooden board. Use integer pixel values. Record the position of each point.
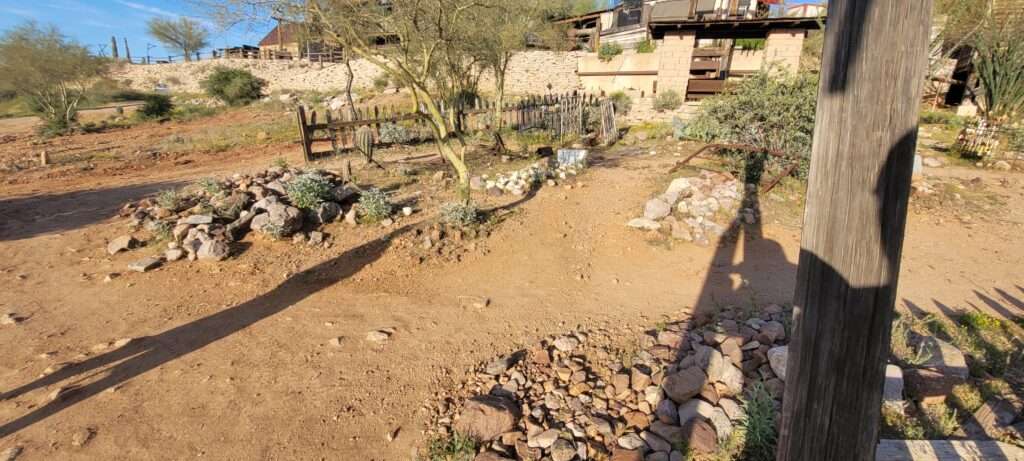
(947, 450)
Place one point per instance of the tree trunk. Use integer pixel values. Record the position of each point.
(858, 189)
(453, 150)
(348, 88)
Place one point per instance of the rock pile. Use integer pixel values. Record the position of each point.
(575, 397)
(201, 221)
(693, 208)
(519, 182)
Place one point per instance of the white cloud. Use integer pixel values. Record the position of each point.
(19, 12)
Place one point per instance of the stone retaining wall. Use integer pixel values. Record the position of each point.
(531, 72)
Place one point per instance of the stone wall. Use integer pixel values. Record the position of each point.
(676, 52)
(531, 72)
(784, 47)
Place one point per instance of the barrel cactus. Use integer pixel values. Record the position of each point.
(364, 141)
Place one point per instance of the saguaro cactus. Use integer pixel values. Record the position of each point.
(364, 142)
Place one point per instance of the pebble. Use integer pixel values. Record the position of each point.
(10, 454)
(379, 336)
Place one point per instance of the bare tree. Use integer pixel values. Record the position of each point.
(426, 38)
(504, 29)
(50, 70)
(184, 34)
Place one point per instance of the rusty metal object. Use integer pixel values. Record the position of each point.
(748, 149)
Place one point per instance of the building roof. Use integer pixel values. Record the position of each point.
(290, 33)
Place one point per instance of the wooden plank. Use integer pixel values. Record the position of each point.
(854, 221)
(705, 65)
(307, 153)
(698, 85)
(947, 450)
(709, 52)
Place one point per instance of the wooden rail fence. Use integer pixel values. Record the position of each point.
(566, 116)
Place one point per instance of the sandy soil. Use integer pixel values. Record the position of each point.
(233, 361)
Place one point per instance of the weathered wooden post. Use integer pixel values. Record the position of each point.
(127, 52)
(113, 47)
(864, 140)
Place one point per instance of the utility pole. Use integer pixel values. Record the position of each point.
(865, 135)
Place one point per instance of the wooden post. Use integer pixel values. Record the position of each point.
(307, 153)
(863, 151)
(113, 47)
(127, 52)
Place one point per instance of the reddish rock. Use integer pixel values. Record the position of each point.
(685, 384)
(486, 417)
(929, 386)
(700, 436)
(620, 454)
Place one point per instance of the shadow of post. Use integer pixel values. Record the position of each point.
(144, 354)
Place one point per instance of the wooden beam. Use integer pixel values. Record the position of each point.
(854, 222)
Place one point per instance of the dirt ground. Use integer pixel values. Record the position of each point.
(233, 360)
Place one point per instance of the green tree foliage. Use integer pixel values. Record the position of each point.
(233, 86)
(50, 70)
(155, 107)
(184, 34)
(770, 110)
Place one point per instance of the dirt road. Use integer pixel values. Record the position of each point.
(234, 361)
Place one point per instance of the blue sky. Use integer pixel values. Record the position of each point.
(92, 22)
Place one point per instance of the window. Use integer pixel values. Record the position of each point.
(631, 14)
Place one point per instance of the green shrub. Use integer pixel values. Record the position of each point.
(622, 102)
(233, 86)
(751, 43)
(374, 206)
(460, 214)
(980, 322)
(210, 185)
(766, 110)
(609, 51)
(668, 100)
(942, 117)
(156, 107)
(381, 82)
(897, 424)
(758, 424)
(189, 112)
(646, 46)
(393, 133)
(1017, 140)
(308, 191)
(452, 448)
(940, 421)
(678, 128)
(170, 199)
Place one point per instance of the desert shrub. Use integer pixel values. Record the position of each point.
(155, 107)
(897, 424)
(758, 424)
(622, 102)
(210, 185)
(170, 199)
(980, 321)
(966, 397)
(460, 214)
(308, 191)
(393, 133)
(767, 110)
(1016, 140)
(374, 205)
(646, 46)
(609, 51)
(654, 130)
(281, 162)
(940, 421)
(381, 82)
(901, 347)
(233, 86)
(452, 448)
(668, 100)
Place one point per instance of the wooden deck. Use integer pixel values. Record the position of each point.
(947, 450)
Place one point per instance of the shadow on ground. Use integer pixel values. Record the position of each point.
(29, 216)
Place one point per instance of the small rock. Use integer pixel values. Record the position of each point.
(620, 454)
(695, 408)
(562, 450)
(336, 342)
(83, 437)
(327, 212)
(213, 250)
(777, 358)
(197, 219)
(144, 265)
(732, 409)
(122, 243)
(174, 254)
(406, 211)
(631, 441)
(378, 336)
(10, 454)
(685, 384)
(893, 390)
(543, 440)
(1002, 165)
(566, 343)
(644, 223)
(655, 442)
(10, 319)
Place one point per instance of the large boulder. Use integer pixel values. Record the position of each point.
(657, 208)
(279, 221)
(485, 417)
(213, 250)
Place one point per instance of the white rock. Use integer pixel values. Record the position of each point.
(631, 441)
(731, 408)
(777, 357)
(644, 223)
(693, 409)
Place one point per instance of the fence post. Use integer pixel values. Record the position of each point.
(376, 125)
(307, 153)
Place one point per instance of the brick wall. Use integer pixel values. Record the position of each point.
(676, 52)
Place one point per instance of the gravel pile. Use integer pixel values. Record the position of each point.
(694, 209)
(579, 397)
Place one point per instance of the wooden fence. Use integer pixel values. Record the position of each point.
(566, 116)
